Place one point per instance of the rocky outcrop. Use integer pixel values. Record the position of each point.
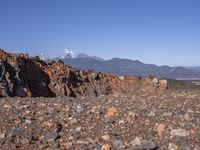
(24, 76)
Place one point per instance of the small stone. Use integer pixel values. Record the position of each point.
(28, 112)
(136, 142)
(79, 109)
(167, 114)
(131, 114)
(111, 112)
(151, 114)
(78, 129)
(180, 132)
(51, 136)
(2, 136)
(73, 121)
(186, 116)
(172, 146)
(121, 77)
(67, 145)
(160, 129)
(121, 122)
(106, 138)
(7, 106)
(197, 147)
(106, 147)
(77, 135)
(186, 148)
(28, 121)
(118, 143)
(148, 145)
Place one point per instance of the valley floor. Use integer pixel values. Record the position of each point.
(166, 121)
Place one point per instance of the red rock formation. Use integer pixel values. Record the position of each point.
(24, 76)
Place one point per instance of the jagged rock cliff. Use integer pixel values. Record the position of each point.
(24, 76)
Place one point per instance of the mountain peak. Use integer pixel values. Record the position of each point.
(67, 54)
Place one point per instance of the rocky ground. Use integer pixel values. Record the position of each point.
(141, 121)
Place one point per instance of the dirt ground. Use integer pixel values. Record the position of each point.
(142, 121)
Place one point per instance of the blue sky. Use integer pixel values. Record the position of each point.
(163, 32)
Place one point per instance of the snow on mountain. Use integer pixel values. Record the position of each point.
(69, 53)
(66, 54)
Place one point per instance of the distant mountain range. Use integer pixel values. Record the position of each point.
(118, 66)
(67, 54)
(194, 68)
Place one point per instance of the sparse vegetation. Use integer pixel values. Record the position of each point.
(182, 85)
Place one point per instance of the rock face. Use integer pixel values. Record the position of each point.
(23, 76)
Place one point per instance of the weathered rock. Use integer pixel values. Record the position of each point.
(24, 76)
(79, 109)
(111, 112)
(51, 136)
(151, 114)
(118, 143)
(160, 129)
(2, 135)
(148, 145)
(106, 147)
(136, 142)
(167, 114)
(172, 146)
(106, 138)
(180, 132)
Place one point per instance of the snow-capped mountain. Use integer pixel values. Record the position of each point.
(67, 54)
(119, 66)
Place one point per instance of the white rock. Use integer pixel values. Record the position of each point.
(2, 136)
(172, 146)
(180, 132)
(136, 142)
(121, 77)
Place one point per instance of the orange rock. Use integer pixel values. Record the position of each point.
(106, 147)
(111, 112)
(106, 138)
(163, 85)
(160, 129)
(67, 145)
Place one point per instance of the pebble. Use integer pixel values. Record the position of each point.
(136, 142)
(79, 109)
(180, 132)
(172, 146)
(186, 116)
(2, 135)
(167, 114)
(118, 143)
(28, 121)
(67, 145)
(106, 147)
(148, 145)
(51, 136)
(106, 138)
(160, 129)
(111, 112)
(151, 114)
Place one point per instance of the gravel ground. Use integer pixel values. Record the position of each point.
(142, 121)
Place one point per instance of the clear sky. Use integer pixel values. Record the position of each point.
(164, 32)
